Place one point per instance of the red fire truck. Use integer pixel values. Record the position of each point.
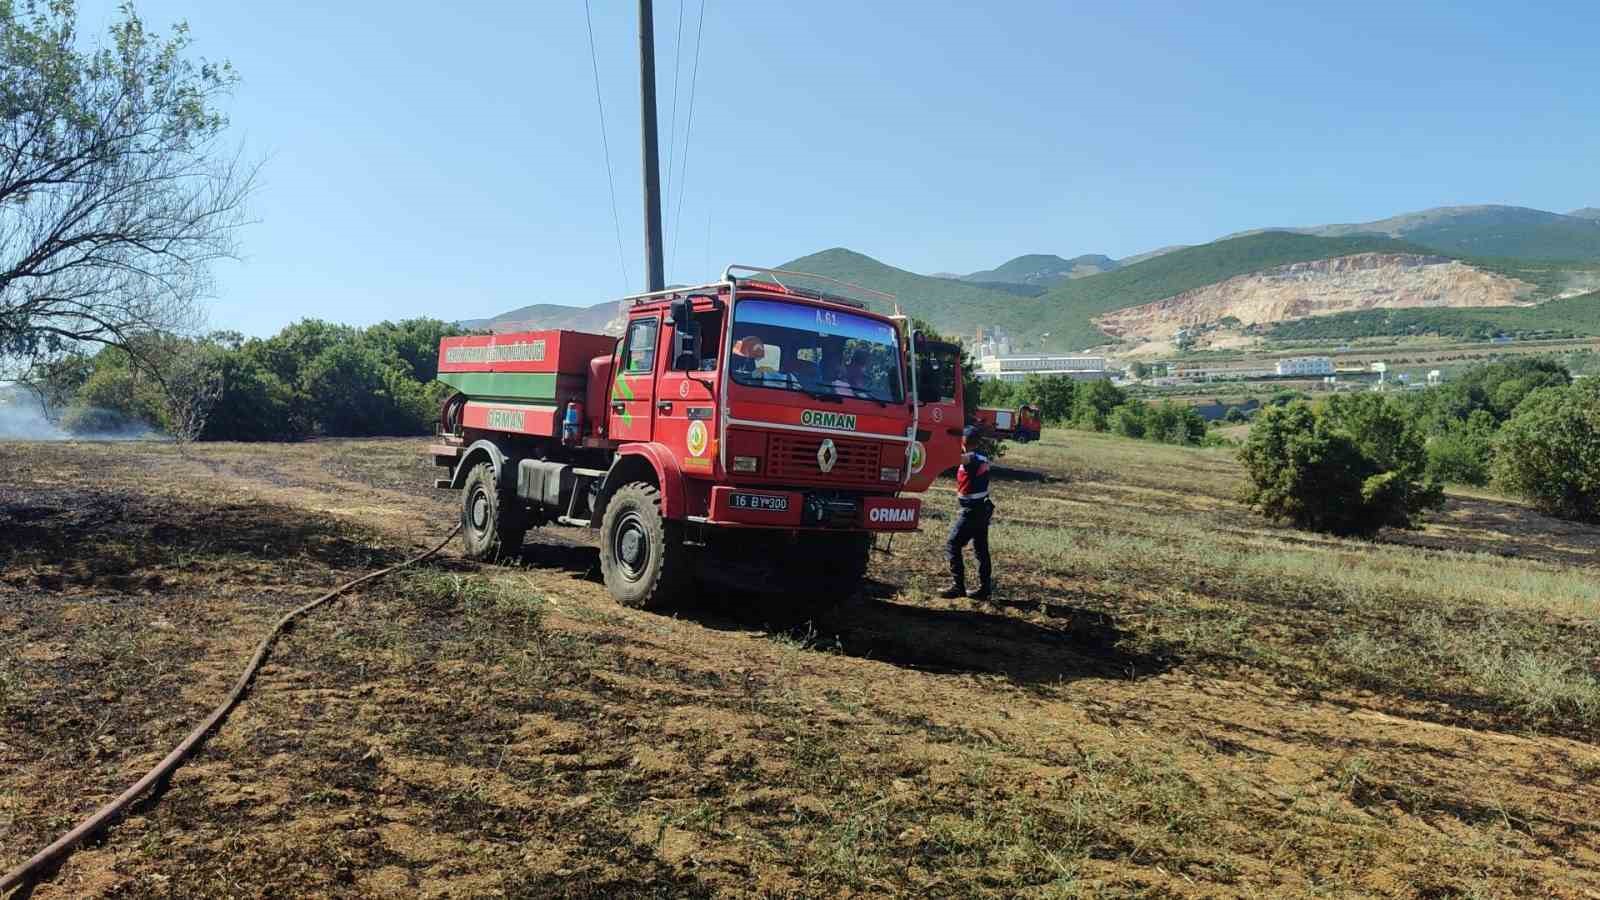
(1021, 424)
(753, 418)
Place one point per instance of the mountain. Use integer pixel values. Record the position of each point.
(1588, 212)
(601, 317)
(1067, 312)
(952, 306)
(1043, 269)
(1513, 232)
(1149, 254)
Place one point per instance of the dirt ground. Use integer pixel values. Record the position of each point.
(1171, 698)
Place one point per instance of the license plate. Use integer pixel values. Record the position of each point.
(764, 502)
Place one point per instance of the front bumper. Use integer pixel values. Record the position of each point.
(753, 508)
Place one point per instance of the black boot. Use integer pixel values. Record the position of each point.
(982, 593)
(956, 589)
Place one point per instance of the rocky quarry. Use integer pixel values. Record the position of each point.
(1319, 288)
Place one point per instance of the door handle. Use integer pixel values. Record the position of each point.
(665, 406)
(617, 406)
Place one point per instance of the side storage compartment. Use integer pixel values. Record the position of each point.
(545, 484)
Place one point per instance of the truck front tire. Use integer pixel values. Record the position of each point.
(641, 552)
(491, 526)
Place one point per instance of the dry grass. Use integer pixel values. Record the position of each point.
(1170, 699)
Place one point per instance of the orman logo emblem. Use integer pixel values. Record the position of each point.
(827, 455)
(697, 438)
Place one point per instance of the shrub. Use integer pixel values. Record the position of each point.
(1128, 419)
(1461, 455)
(1170, 422)
(1307, 467)
(1549, 452)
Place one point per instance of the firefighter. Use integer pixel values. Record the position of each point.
(972, 520)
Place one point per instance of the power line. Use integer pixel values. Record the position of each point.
(672, 130)
(616, 221)
(688, 129)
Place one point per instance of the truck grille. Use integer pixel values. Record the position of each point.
(795, 457)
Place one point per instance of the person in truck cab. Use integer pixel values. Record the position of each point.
(855, 374)
(972, 520)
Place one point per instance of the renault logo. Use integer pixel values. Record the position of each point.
(827, 455)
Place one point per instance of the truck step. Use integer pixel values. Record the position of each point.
(588, 473)
(441, 483)
(568, 520)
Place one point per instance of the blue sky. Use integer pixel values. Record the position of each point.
(426, 162)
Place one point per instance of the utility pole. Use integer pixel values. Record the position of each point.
(655, 278)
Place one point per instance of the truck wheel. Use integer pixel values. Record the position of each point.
(490, 527)
(641, 553)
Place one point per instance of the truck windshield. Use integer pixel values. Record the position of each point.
(822, 352)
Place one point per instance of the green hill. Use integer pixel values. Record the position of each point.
(953, 306)
(1044, 269)
(1512, 232)
(594, 318)
(1066, 312)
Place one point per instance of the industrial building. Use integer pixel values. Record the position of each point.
(1016, 368)
(1306, 365)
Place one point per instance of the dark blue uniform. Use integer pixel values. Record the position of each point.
(972, 522)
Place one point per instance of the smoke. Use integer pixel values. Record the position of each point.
(21, 422)
(22, 418)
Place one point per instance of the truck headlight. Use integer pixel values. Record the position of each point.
(888, 473)
(746, 463)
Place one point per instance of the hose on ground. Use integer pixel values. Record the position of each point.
(164, 769)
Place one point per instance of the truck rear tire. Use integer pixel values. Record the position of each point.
(491, 526)
(641, 553)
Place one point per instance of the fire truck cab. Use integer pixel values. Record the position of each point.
(750, 420)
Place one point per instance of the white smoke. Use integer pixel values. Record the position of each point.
(22, 418)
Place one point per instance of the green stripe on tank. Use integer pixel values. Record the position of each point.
(503, 385)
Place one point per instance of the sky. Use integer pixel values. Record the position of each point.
(418, 161)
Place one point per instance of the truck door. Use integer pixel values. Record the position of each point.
(633, 389)
(686, 400)
(939, 423)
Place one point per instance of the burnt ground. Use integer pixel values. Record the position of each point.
(1169, 699)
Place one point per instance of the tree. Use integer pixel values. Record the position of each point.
(1052, 395)
(1461, 454)
(114, 193)
(1549, 452)
(1094, 402)
(191, 381)
(995, 392)
(1170, 422)
(1138, 369)
(1306, 468)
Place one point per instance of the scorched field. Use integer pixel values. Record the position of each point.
(1172, 698)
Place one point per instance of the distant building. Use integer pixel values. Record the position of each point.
(1016, 368)
(1435, 377)
(1306, 365)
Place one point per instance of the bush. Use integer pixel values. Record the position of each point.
(1461, 455)
(1128, 419)
(1052, 395)
(1175, 423)
(1549, 452)
(1306, 467)
(1093, 403)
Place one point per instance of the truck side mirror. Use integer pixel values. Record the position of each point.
(685, 346)
(928, 381)
(682, 315)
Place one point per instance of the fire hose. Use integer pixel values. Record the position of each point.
(164, 769)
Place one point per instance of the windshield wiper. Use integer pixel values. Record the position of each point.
(818, 395)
